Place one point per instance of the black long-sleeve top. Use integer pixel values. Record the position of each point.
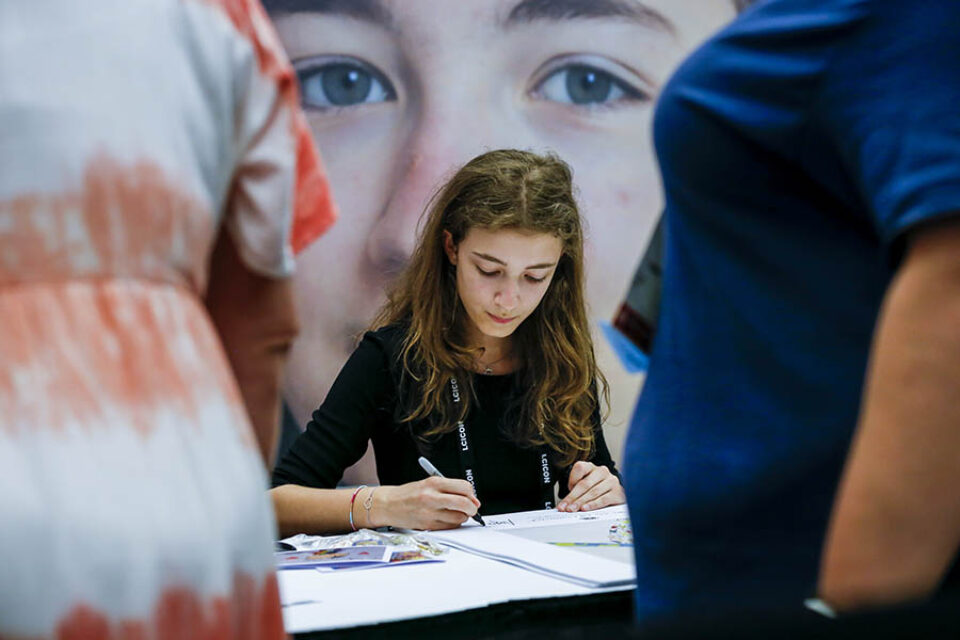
(363, 405)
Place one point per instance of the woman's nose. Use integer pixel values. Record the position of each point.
(508, 297)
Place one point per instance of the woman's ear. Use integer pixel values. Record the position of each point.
(449, 247)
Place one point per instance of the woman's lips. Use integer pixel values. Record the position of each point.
(500, 320)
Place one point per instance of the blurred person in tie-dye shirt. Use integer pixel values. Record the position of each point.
(156, 177)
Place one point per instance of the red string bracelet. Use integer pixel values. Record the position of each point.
(353, 499)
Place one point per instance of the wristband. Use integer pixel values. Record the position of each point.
(368, 504)
(353, 499)
(819, 606)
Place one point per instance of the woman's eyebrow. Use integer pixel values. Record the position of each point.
(527, 11)
(487, 256)
(373, 11)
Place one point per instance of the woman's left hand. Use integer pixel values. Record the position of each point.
(591, 487)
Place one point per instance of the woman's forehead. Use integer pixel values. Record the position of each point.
(524, 245)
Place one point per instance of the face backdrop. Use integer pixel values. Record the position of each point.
(400, 93)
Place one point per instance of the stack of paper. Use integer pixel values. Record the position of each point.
(605, 533)
(496, 543)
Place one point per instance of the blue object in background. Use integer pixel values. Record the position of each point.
(631, 357)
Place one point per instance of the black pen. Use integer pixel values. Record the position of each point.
(433, 471)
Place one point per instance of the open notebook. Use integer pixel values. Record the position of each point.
(504, 540)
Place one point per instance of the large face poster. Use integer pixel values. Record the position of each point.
(400, 93)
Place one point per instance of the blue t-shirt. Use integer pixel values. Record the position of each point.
(798, 147)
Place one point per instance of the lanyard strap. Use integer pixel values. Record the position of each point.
(467, 459)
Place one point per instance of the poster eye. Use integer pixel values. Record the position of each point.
(585, 85)
(341, 82)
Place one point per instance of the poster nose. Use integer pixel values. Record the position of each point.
(421, 171)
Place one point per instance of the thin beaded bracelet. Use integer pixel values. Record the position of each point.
(352, 500)
(368, 504)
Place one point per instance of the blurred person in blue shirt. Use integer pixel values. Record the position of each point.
(810, 155)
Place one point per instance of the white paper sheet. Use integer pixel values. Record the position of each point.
(551, 518)
(605, 533)
(564, 564)
(314, 601)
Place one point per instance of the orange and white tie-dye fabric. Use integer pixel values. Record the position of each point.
(131, 488)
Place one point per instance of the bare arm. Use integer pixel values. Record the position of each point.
(433, 503)
(315, 511)
(256, 320)
(896, 521)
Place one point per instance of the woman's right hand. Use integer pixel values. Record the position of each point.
(433, 503)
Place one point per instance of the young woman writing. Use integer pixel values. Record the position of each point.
(481, 361)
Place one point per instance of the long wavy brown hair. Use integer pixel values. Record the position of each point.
(562, 387)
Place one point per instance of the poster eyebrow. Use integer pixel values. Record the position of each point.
(527, 11)
(373, 11)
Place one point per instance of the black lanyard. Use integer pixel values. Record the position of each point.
(467, 461)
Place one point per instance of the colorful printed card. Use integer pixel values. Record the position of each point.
(334, 558)
(397, 555)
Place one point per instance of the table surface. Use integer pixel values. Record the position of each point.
(537, 618)
(315, 601)
(466, 590)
